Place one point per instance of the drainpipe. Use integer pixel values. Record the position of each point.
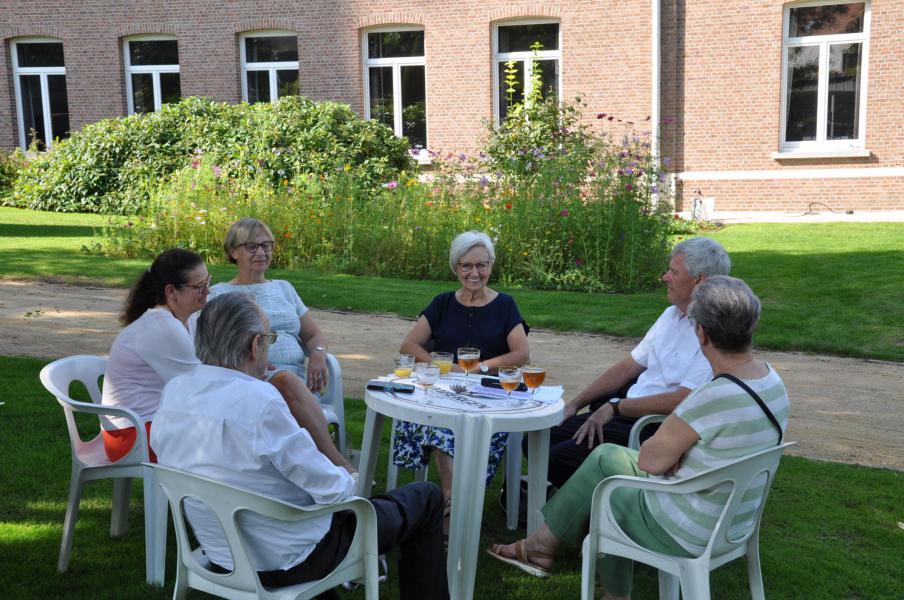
(655, 62)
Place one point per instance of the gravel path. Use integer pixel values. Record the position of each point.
(842, 409)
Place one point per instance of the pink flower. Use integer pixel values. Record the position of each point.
(563, 212)
(629, 187)
(391, 185)
(216, 171)
(578, 262)
(195, 163)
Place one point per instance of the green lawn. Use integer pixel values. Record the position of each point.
(829, 530)
(831, 288)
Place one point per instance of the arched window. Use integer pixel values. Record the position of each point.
(39, 78)
(152, 72)
(515, 46)
(269, 65)
(395, 82)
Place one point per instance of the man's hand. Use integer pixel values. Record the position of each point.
(317, 377)
(592, 429)
(571, 410)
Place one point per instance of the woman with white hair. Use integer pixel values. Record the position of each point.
(472, 316)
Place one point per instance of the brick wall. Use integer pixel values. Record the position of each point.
(721, 72)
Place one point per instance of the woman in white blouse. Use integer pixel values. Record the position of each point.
(156, 344)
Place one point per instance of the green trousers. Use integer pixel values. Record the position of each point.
(568, 514)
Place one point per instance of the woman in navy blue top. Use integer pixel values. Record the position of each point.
(473, 316)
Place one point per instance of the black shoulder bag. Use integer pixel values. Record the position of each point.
(759, 401)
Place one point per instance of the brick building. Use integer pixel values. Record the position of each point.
(763, 105)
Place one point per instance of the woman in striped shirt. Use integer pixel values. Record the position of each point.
(717, 423)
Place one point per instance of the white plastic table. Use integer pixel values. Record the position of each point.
(473, 421)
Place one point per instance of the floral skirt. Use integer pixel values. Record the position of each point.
(413, 443)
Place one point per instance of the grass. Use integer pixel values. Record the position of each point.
(830, 288)
(829, 530)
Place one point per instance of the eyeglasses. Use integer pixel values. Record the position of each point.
(468, 267)
(270, 337)
(201, 288)
(252, 247)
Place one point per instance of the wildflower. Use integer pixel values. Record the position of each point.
(655, 189)
(347, 168)
(629, 186)
(217, 171)
(195, 163)
(287, 235)
(508, 205)
(563, 212)
(391, 185)
(483, 181)
(570, 242)
(428, 203)
(600, 115)
(462, 157)
(578, 262)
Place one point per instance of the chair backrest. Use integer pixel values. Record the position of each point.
(227, 502)
(742, 475)
(58, 376)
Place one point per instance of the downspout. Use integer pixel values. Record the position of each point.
(655, 62)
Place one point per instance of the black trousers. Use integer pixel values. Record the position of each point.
(410, 518)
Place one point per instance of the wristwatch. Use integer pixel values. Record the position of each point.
(614, 403)
(484, 368)
(319, 349)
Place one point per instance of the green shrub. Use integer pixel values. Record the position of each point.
(111, 166)
(10, 167)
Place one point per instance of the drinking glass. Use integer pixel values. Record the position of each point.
(443, 360)
(404, 363)
(534, 377)
(468, 359)
(509, 378)
(427, 374)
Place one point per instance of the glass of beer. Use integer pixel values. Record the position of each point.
(427, 374)
(443, 360)
(533, 377)
(404, 363)
(468, 359)
(509, 379)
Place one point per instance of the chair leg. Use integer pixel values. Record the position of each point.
(72, 505)
(588, 570)
(695, 583)
(513, 479)
(122, 494)
(180, 590)
(668, 586)
(754, 570)
(155, 521)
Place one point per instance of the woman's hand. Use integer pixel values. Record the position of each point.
(317, 374)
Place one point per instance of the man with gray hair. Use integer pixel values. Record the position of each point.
(223, 422)
(667, 365)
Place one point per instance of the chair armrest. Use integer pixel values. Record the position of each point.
(634, 437)
(103, 409)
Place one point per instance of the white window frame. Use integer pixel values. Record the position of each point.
(821, 147)
(154, 70)
(270, 67)
(396, 64)
(45, 97)
(524, 57)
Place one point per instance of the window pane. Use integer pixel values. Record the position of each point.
(414, 106)
(271, 49)
(381, 97)
(844, 92)
(549, 74)
(286, 83)
(827, 20)
(258, 86)
(40, 54)
(143, 92)
(511, 86)
(170, 88)
(59, 106)
(32, 109)
(803, 78)
(158, 52)
(518, 38)
(392, 44)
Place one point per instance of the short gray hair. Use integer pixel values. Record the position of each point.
(244, 230)
(728, 311)
(703, 255)
(463, 243)
(226, 328)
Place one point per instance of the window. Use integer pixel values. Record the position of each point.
(395, 82)
(152, 73)
(515, 46)
(39, 77)
(824, 76)
(269, 66)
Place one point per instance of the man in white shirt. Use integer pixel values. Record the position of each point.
(221, 421)
(667, 365)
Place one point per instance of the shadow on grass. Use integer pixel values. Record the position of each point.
(48, 231)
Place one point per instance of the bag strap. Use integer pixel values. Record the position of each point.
(756, 397)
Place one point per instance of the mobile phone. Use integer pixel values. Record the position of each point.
(494, 383)
(390, 386)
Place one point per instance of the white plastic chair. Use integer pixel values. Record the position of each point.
(227, 502)
(725, 545)
(90, 463)
(332, 400)
(642, 422)
(512, 474)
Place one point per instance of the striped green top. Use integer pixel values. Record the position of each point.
(731, 425)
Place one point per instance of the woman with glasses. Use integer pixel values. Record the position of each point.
(155, 345)
(249, 246)
(472, 316)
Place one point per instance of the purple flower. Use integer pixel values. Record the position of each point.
(629, 187)
(483, 181)
(217, 171)
(563, 212)
(391, 185)
(462, 156)
(578, 262)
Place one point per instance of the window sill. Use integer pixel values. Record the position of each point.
(804, 154)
